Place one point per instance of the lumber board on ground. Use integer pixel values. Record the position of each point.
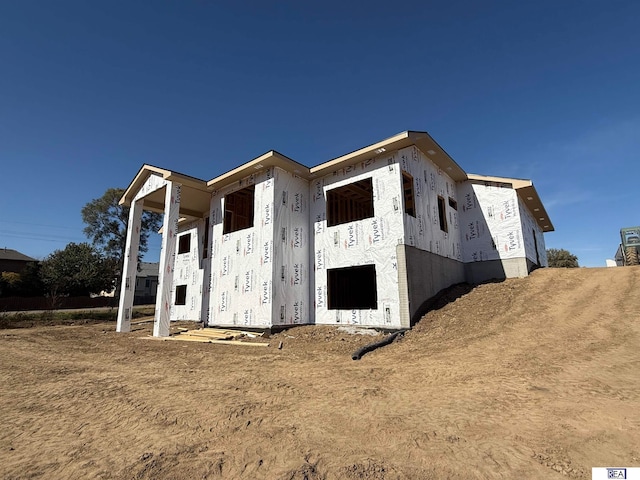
(143, 320)
(213, 337)
(207, 340)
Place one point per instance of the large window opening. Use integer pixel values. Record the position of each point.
(184, 243)
(442, 214)
(409, 198)
(181, 295)
(352, 288)
(350, 203)
(238, 210)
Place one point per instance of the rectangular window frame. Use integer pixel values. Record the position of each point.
(205, 239)
(442, 214)
(350, 203)
(408, 194)
(184, 243)
(181, 295)
(239, 210)
(352, 288)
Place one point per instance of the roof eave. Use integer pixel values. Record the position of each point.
(146, 170)
(427, 145)
(527, 192)
(257, 165)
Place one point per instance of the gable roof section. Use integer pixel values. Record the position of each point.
(9, 254)
(422, 140)
(267, 160)
(194, 197)
(527, 192)
(195, 192)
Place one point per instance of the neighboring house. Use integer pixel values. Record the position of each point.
(13, 261)
(146, 283)
(366, 238)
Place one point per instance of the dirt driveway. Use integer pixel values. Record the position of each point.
(529, 378)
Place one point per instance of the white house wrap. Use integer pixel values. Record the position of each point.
(364, 239)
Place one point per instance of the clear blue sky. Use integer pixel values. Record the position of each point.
(91, 90)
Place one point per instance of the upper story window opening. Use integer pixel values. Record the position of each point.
(238, 210)
(350, 202)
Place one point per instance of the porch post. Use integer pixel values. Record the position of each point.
(129, 268)
(167, 260)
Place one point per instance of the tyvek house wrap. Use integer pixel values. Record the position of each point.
(368, 241)
(533, 236)
(259, 275)
(242, 261)
(188, 271)
(291, 249)
(423, 231)
(491, 222)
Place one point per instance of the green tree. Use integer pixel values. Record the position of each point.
(107, 221)
(30, 282)
(9, 283)
(559, 257)
(24, 284)
(78, 270)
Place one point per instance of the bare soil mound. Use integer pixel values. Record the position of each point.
(526, 378)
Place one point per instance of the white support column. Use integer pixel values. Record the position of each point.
(167, 260)
(129, 268)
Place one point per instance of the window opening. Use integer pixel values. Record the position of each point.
(409, 198)
(453, 204)
(184, 243)
(205, 240)
(238, 210)
(181, 295)
(350, 203)
(442, 214)
(352, 288)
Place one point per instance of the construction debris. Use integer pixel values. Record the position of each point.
(215, 335)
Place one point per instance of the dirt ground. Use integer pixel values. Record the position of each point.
(527, 378)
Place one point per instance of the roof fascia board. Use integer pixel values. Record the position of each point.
(396, 142)
(434, 152)
(146, 170)
(529, 195)
(267, 160)
(422, 140)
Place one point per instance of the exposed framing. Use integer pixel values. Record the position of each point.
(239, 210)
(350, 202)
(409, 197)
(442, 214)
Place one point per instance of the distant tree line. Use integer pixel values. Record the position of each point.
(83, 269)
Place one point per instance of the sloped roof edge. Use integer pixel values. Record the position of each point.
(146, 170)
(527, 192)
(269, 159)
(422, 140)
(10, 254)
